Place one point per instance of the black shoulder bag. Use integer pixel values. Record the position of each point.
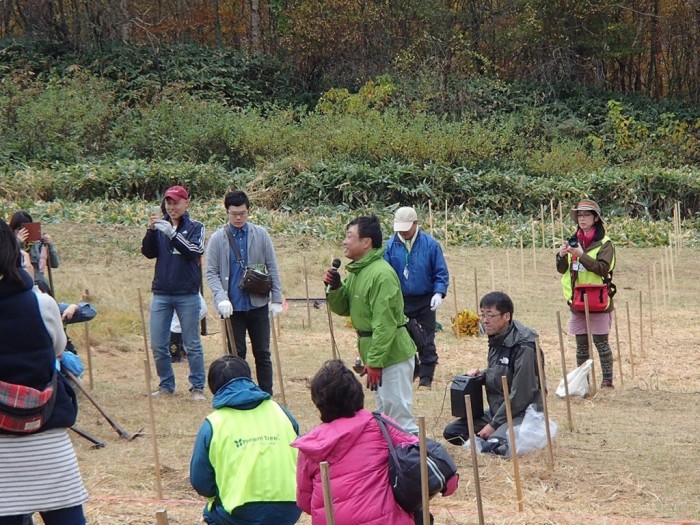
(253, 281)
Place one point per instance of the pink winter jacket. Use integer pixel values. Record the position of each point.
(358, 460)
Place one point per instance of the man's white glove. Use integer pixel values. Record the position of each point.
(275, 309)
(165, 227)
(225, 309)
(436, 301)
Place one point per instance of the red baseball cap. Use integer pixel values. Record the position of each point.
(176, 193)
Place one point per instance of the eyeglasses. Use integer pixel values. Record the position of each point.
(237, 213)
(584, 214)
(482, 315)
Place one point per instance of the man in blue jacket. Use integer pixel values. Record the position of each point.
(418, 261)
(177, 244)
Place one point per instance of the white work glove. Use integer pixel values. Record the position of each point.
(165, 227)
(275, 309)
(436, 301)
(225, 309)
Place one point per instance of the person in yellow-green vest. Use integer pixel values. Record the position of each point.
(589, 258)
(242, 460)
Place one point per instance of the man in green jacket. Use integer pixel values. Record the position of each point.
(371, 296)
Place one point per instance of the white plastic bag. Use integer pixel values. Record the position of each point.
(478, 442)
(531, 434)
(578, 381)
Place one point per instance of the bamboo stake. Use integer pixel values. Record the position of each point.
(493, 277)
(543, 226)
(278, 364)
(143, 326)
(673, 265)
(591, 346)
(563, 370)
(543, 393)
(534, 247)
(424, 485)
(513, 448)
(651, 303)
(629, 335)
(446, 221)
(154, 436)
(88, 349)
(430, 215)
(224, 336)
(617, 344)
(522, 259)
(308, 300)
(561, 221)
(327, 495)
(663, 280)
(656, 287)
(475, 463)
(641, 327)
(454, 293)
(551, 216)
(162, 517)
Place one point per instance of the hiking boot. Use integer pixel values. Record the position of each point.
(162, 392)
(606, 383)
(198, 394)
(425, 382)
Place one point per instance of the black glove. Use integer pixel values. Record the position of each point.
(332, 279)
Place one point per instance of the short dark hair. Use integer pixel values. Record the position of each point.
(19, 219)
(500, 300)
(10, 256)
(225, 369)
(236, 198)
(368, 226)
(336, 392)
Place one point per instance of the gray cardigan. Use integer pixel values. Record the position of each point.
(261, 254)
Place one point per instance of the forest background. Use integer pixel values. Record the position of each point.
(490, 109)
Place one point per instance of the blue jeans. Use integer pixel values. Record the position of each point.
(187, 308)
(67, 516)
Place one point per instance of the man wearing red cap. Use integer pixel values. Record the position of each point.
(177, 244)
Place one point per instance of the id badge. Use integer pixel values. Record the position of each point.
(579, 267)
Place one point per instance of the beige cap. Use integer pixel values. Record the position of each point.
(404, 219)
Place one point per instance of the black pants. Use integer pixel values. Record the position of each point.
(257, 324)
(418, 307)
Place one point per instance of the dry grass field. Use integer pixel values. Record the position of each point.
(632, 457)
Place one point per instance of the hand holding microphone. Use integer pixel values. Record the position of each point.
(332, 277)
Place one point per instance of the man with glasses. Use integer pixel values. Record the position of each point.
(226, 264)
(512, 354)
(177, 243)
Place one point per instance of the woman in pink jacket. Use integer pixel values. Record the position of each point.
(350, 440)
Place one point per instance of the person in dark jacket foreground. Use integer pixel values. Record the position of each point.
(512, 354)
(242, 460)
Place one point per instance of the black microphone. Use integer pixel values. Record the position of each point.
(335, 264)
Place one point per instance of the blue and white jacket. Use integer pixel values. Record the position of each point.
(427, 269)
(178, 260)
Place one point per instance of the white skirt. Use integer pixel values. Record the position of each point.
(39, 472)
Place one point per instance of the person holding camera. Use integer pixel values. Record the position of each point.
(588, 258)
(42, 253)
(417, 259)
(371, 296)
(511, 353)
(233, 251)
(176, 242)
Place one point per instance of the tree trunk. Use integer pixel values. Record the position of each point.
(255, 37)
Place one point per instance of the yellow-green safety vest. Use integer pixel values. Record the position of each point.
(584, 277)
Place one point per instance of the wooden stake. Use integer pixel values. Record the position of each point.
(656, 288)
(617, 344)
(651, 303)
(629, 335)
(224, 337)
(593, 389)
(162, 517)
(513, 448)
(561, 221)
(278, 364)
(476, 292)
(424, 485)
(475, 463)
(454, 295)
(145, 336)
(327, 495)
(508, 279)
(563, 371)
(543, 226)
(493, 277)
(154, 436)
(641, 327)
(663, 280)
(543, 393)
(308, 300)
(534, 247)
(672, 264)
(522, 259)
(335, 353)
(551, 216)
(430, 215)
